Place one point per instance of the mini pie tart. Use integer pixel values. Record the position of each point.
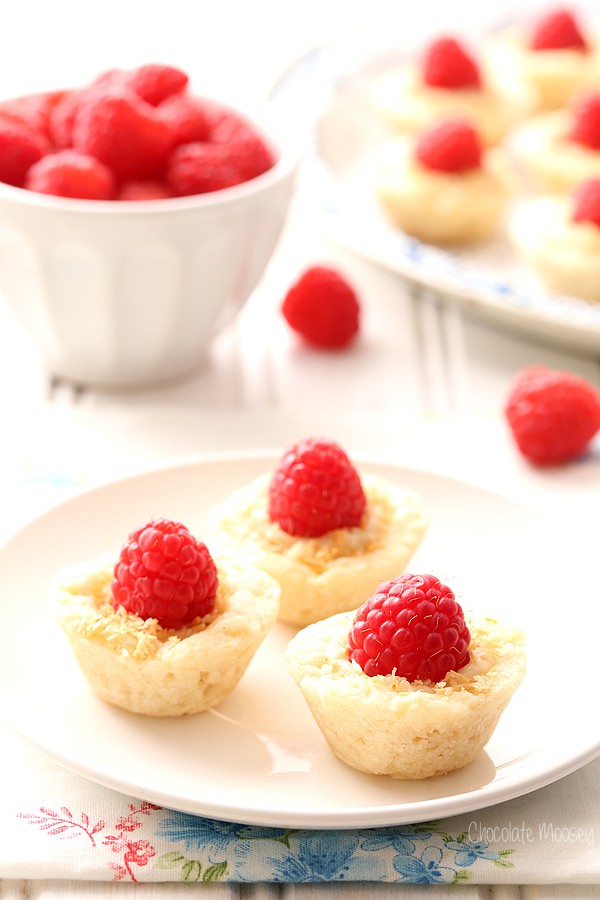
(564, 254)
(554, 76)
(548, 160)
(439, 207)
(386, 725)
(409, 106)
(141, 667)
(323, 575)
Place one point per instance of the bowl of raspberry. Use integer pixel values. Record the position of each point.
(136, 218)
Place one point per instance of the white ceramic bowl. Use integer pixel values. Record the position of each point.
(119, 294)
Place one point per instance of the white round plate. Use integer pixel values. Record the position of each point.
(328, 93)
(259, 757)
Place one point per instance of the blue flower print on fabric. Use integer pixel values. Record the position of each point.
(424, 869)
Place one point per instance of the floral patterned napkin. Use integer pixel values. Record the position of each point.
(55, 824)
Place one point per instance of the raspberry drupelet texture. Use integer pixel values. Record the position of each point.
(413, 627)
(165, 573)
(452, 146)
(447, 64)
(557, 30)
(315, 489)
(553, 415)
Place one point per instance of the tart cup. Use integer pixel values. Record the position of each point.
(332, 573)
(386, 725)
(139, 666)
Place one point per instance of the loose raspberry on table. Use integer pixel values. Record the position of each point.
(323, 307)
(315, 489)
(557, 30)
(585, 120)
(122, 131)
(165, 573)
(71, 174)
(446, 63)
(452, 146)
(412, 627)
(553, 414)
(20, 147)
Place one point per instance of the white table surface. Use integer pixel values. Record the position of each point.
(418, 359)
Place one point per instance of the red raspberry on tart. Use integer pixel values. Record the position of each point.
(315, 489)
(166, 629)
(325, 531)
(412, 627)
(585, 120)
(448, 64)
(443, 187)
(586, 202)
(558, 29)
(165, 573)
(406, 686)
(451, 146)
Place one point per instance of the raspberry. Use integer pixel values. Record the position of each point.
(123, 132)
(451, 146)
(447, 64)
(553, 414)
(155, 82)
(315, 489)
(62, 118)
(200, 168)
(144, 190)
(586, 202)
(585, 121)
(33, 110)
(71, 174)
(20, 147)
(413, 627)
(245, 146)
(323, 307)
(557, 30)
(186, 119)
(164, 573)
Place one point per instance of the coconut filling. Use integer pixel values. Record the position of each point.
(549, 158)
(439, 207)
(244, 519)
(331, 661)
(138, 665)
(386, 725)
(87, 607)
